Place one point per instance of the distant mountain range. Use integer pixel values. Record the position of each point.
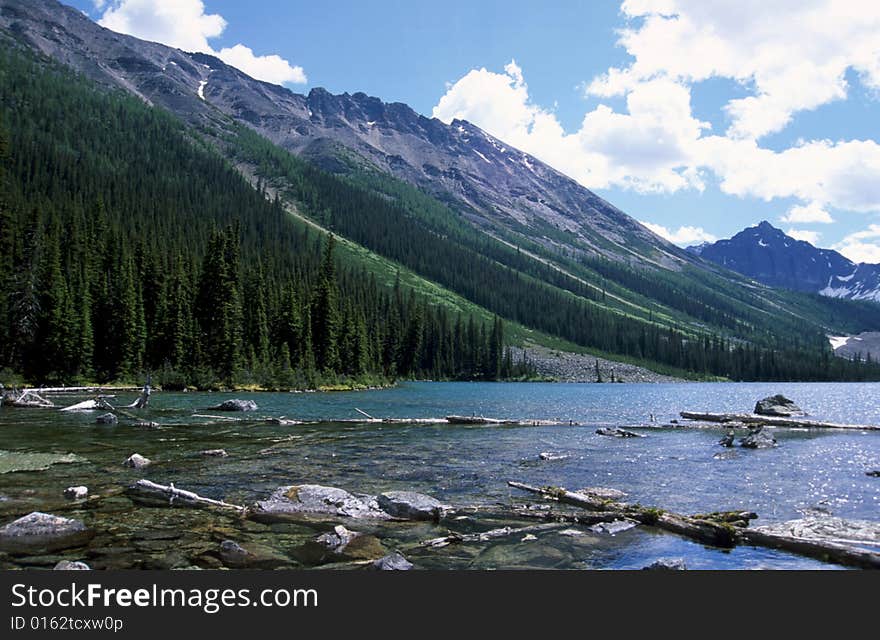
(768, 255)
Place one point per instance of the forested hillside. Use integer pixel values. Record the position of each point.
(127, 246)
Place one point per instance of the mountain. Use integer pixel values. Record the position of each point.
(768, 255)
(446, 213)
(487, 181)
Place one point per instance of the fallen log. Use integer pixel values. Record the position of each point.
(152, 494)
(752, 419)
(725, 529)
(503, 532)
(30, 398)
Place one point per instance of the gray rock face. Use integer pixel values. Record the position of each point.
(107, 418)
(778, 406)
(236, 405)
(42, 532)
(137, 461)
(76, 493)
(316, 499)
(72, 565)
(410, 505)
(667, 564)
(758, 439)
(392, 562)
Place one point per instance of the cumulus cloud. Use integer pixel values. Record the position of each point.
(185, 25)
(802, 234)
(813, 212)
(683, 236)
(859, 247)
(647, 149)
(655, 144)
(799, 67)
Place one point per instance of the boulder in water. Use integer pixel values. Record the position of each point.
(42, 532)
(392, 562)
(778, 406)
(137, 461)
(314, 499)
(236, 405)
(72, 565)
(76, 493)
(616, 432)
(410, 505)
(758, 439)
(106, 418)
(667, 564)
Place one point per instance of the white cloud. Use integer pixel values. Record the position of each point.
(791, 54)
(683, 236)
(855, 247)
(648, 148)
(271, 68)
(804, 214)
(802, 234)
(185, 25)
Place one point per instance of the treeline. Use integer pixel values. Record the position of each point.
(496, 284)
(127, 246)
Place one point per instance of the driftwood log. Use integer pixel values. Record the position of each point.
(752, 419)
(724, 529)
(153, 494)
(503, 532)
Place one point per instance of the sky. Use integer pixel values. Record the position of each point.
(697, 117)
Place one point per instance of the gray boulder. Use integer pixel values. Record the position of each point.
(315, 499)
(42, 532)
(236, 405)
(341, 545)
(137, 461)
(106, 418)
(72, 565)
(727, 441)
(410, 505)
(392, 562)
(758, 439)
(778, 406)
(667, 564)
(76, 493)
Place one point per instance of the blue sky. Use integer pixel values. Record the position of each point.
(699, 117)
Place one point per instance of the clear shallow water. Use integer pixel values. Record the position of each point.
(673, 468)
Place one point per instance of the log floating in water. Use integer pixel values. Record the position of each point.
(153, 494)
(720, 529)
(503, 532)
(753, 419)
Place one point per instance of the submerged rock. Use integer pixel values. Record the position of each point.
(778, 406)
(76, 493)
(43, 532)
(137, 461)
(236, 405)
(339, 545)
(758, 439)
(106, 418)
(614, 527)
(254, 556)
(305, 499)
(410, 505)
(392, 562)
(146, 424)
(616, 432)
(667, 564)
(214, 453)
(72, 565)
(546, 455)
(727, 441)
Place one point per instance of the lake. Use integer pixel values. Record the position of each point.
(674, 468)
